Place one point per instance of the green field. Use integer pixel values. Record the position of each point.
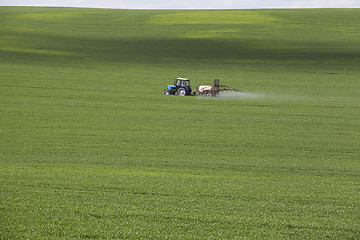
(91, 148)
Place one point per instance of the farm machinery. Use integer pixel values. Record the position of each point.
(213, 90)
(182, 87)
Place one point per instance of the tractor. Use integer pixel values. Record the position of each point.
(181, 87)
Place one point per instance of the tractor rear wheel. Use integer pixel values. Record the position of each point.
(181, 92)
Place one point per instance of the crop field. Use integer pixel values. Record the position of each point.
(90, 147)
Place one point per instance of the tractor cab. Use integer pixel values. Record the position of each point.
(181, 87)
(182, 82)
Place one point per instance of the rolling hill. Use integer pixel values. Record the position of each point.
(91, 148)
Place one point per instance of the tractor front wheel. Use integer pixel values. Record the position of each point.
(181, 92)
(167, 92)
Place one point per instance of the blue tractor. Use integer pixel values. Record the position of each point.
(181, 87)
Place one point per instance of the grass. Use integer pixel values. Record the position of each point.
(91, 148)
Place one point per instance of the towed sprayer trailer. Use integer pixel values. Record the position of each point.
(182, 87)
(214, 90)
